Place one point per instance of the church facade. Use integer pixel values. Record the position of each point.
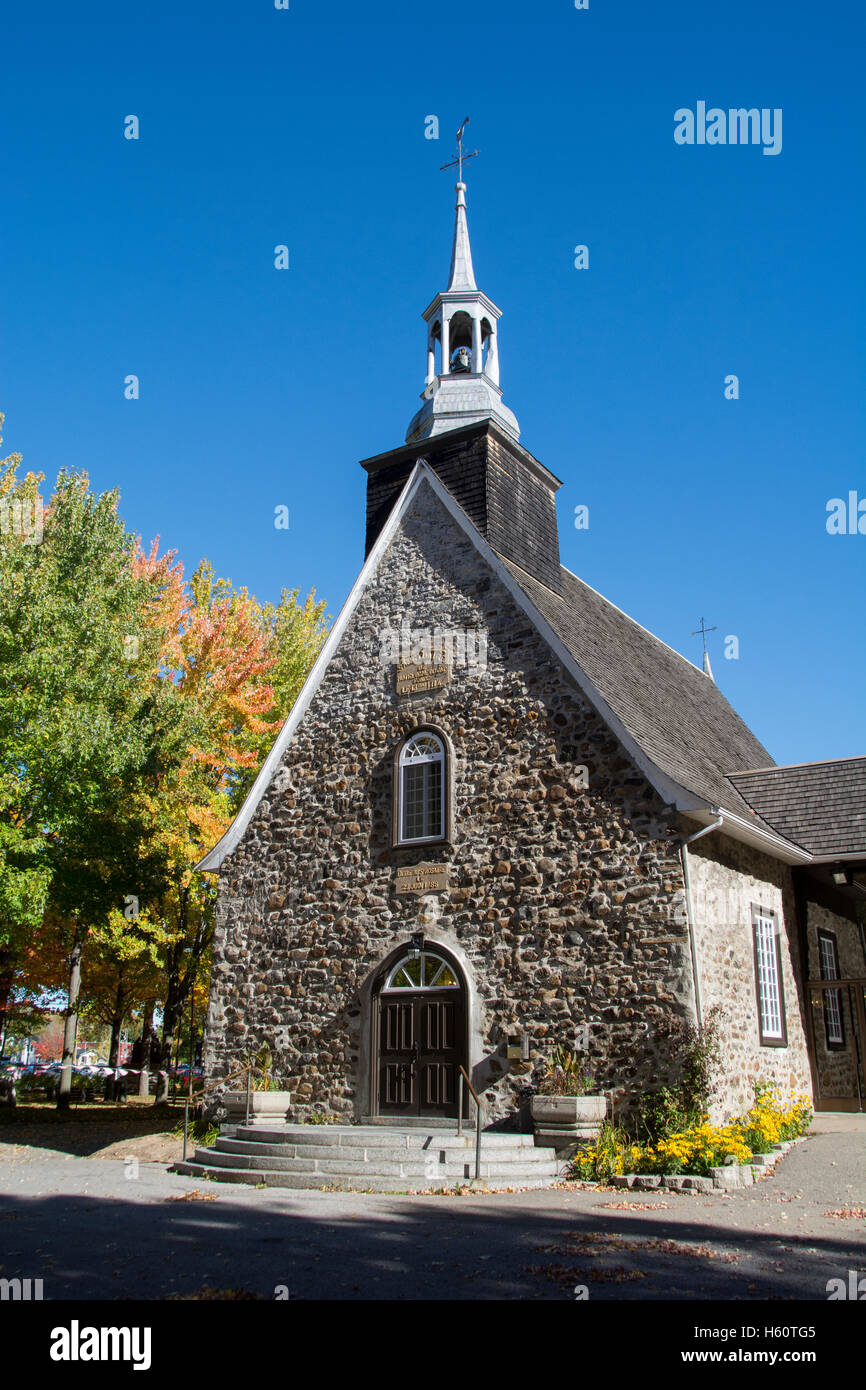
(503, 816)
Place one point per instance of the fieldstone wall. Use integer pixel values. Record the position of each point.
(727, 877)
(565, 900)
(836, 1067)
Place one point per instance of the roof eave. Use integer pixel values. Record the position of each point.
(740, 829)
(850, 857)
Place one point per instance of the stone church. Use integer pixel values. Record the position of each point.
(503, 816)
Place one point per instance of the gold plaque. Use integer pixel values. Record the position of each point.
(413, 677)
(422, 878)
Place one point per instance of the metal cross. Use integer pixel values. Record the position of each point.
(703, 630)
(460, 155)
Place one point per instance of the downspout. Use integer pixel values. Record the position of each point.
(693, 945)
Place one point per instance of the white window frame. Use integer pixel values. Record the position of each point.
(828, 955)
(768, 978)
(412, 756)
(441, 964)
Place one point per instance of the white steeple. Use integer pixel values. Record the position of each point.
(462, 276)
(462, 388)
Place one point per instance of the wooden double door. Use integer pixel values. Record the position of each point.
(421, 1046)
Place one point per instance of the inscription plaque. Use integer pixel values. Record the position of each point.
(422, 878)
(412, 677)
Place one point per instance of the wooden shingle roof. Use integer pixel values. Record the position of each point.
(675, 712)
(820, 806)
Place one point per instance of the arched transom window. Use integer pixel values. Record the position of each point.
(421, 772)
(422, 970)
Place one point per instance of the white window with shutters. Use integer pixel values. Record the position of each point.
(768, 971)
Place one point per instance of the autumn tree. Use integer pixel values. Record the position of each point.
(135, 712)
(237, 667)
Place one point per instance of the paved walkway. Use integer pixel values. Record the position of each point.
(105, 1228)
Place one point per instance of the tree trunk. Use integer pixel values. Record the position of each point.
(180, 982)
(70, 1028)
(112, 1085)
(146, 1048)
(173, 1000)
(169, 1023)
(6, 978)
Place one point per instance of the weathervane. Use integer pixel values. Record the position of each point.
(703, 630)
(460, 155)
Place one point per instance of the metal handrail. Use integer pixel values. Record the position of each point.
(221, 1081)
(464, 1077)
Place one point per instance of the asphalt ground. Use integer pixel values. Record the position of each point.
(126, 1228)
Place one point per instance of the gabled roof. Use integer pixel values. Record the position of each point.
(820, 806)
(677, 714)
(671, 719)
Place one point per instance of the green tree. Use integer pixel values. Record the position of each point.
(82, 727)
(24, 873)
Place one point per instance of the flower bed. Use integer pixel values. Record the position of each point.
(701, 1148)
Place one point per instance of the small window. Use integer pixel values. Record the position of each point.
(768, 978)
(834, 1026)
(424, 971)
(421, 789)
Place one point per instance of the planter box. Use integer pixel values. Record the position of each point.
(266, 1107)
(565, 1121)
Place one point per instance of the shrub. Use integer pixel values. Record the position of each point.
(697, 1148)
(202, 1131)
(600, 1160)
(694, 1151)
(701, 1049)
(697, 1051)
(660, 1114)
(771, 1121)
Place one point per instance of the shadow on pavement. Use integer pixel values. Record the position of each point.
(157, 1246)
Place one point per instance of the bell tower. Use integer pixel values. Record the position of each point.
(462, 382)
(464, 432)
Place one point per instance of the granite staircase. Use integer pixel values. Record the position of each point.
(371, 1158)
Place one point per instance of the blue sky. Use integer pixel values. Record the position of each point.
(262, 387)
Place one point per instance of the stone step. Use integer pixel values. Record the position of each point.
(405, 1167)
(380, 1153)
(372, 1158)
(344, 1182)
(370, 1137)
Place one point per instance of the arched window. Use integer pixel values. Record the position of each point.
(421, 787)
(421, 970)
